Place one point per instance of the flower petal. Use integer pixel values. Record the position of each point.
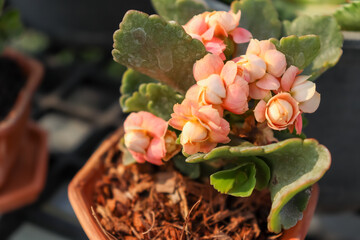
(298, 124)
(229, 72)
(210, 64)
(310, 105)
(253, 47)
(155, 126)
(304, 91)
(257, 93)
(156, 151)
(288, 78)
(241, 35)
(276, 62)
(216, 47)
(209, 34)
(259, 111)
(214, 89)
(193, 93)
(196, 25)
(236, 100)
(268, 82)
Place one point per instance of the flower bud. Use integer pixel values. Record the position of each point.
(281, 111)
(193, 132)
(137, 141)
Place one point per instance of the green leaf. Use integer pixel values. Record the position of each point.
(262, 171)
(10, 26)
(180, 11)
(348, 16)
(130, 83)
(238, 181)
(292, 212)
(295, 165)
(331, 40)
(259, 17)
(188, 169)
(299, 51)
(159, 49)
(156, 98)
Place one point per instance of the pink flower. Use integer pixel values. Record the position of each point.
(225, 24)
(212, 28)
(301, 89)
(266, 50)
(219, 84)
(264, 64)
(144, 137)
(202, 126)
(280, 111)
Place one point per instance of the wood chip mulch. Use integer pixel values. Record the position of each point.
(142, 201)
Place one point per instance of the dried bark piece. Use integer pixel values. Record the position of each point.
(165, 182)
(141, 201)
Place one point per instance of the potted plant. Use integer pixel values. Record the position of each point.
(214, 146)
(23, 154)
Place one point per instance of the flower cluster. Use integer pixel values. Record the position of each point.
(279, 95)
(212, 28)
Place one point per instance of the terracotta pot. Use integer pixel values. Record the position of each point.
(21, 142)
(81, 190)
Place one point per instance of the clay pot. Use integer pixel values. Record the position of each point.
(81, 190)
(22, 144)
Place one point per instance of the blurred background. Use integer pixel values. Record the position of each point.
(77, 104)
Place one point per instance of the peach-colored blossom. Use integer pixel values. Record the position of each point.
(266, 50)
(226, 23)
(280, 111)
(264, 64)
(219, 84)
(301, 89)
(212, 27)
(202, 126)
(260, 82)
(144, 137)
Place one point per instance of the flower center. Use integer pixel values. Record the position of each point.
(280, 111)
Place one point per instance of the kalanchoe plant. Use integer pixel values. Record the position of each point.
(195, 96)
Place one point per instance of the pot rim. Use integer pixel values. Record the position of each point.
(33, 72)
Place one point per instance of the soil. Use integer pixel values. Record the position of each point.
(12, 81)
(143, 201)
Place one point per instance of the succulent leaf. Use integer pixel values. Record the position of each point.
(299, 51)
(238, 181)
(180, 11)
(292, 212)
(259, 17)
(130, 83)
(295, 165)
(142, 93)
(159, 49)
(331, 40)
(348, 16)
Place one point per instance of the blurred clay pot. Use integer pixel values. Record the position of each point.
(13, 127)
(82, 186)
(23, 151)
